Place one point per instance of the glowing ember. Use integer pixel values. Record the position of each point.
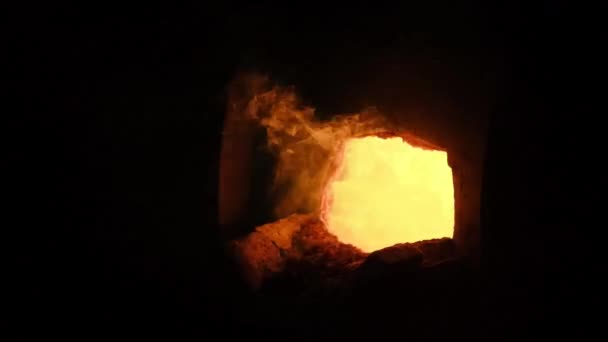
(386, 191)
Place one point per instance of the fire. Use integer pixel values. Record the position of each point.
(386, 191)
(369, 191)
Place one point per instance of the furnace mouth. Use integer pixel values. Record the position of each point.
(387, 205)
(348, 195)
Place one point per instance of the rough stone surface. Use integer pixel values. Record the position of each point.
(390, 260)
(319, 258)
(263, 253)
(436, 250)
(398, 255)
(299, 247)
(281, 232)
(299, 253)
(258, 258)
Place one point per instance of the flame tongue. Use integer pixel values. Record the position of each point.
(386, 191)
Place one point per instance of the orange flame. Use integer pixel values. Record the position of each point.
(386, 191)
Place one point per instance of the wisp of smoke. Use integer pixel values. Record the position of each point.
(305, 147)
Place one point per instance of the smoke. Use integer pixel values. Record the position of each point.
(305, 147)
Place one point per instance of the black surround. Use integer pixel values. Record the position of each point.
(135, 146)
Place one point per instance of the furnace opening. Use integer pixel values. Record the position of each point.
(351, 196)
(385, 191)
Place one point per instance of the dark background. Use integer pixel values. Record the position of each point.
(125, 115)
